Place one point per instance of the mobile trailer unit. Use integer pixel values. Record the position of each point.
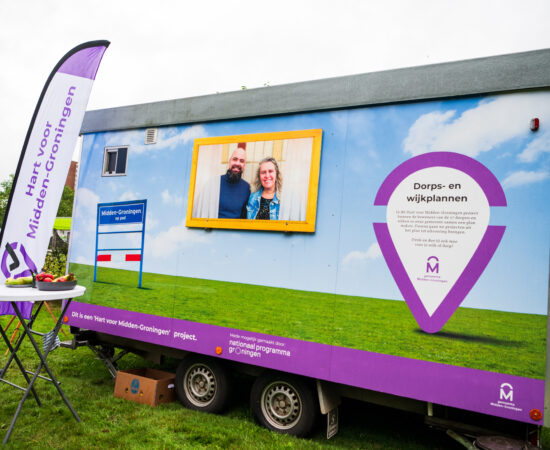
(406, 256)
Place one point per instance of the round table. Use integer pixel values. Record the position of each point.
(15, 296)
(29, 294)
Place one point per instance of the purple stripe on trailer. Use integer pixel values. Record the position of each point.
(460, 387)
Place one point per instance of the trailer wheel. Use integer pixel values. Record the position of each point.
(284, 403)
(202, 384)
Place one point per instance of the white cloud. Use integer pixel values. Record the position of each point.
(166, 139)
(171, 199)
(134, 139)
(86, 208)
(175, 238)
(129, 195)
(87, 200)
(373, 252)
(523, 177)
(535, 148)
(84, 260)
(152, 223)
(189, 134)
(424, 132)
(480, 129)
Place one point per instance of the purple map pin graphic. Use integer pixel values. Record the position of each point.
(437, 241)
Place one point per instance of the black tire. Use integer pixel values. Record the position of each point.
(202, 384)
(284, 403)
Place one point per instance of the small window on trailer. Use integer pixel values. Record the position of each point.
(114, 161)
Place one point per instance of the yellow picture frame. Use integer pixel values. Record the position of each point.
(278, 145)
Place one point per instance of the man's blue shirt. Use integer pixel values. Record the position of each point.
(233, 199)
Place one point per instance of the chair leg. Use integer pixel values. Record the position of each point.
(6, 330)
(13, 335)
(9, 323)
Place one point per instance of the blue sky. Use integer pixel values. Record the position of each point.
(360, 148)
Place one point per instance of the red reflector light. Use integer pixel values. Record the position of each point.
(535, 414)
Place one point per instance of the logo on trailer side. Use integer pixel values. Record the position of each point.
(506, 392)
(435, 267)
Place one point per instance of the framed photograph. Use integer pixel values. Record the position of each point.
(266, 181)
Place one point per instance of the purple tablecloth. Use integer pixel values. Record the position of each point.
(25, 308)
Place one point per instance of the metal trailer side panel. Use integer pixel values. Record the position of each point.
(351, 100)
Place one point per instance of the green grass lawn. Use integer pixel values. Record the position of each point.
(489, 340)
(109, 422)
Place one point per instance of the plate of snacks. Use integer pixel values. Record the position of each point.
(48, 282)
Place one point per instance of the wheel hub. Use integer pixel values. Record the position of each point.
(281, 405)
(200, 385)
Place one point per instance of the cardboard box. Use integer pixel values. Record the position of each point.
(148, 386)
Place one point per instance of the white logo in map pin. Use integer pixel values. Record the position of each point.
(437, 240)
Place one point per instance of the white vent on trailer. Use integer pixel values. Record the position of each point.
(151, 135)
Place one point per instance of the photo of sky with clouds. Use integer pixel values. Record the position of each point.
(181, 49)
(360, 148)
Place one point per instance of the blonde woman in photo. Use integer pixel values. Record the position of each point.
(264, 203)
